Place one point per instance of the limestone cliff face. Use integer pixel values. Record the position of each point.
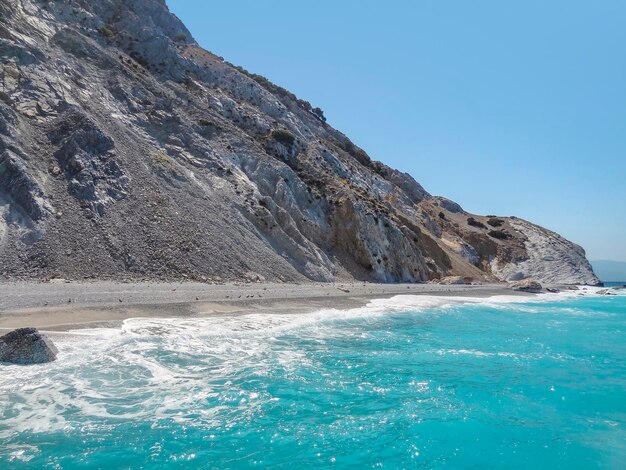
(127, 151)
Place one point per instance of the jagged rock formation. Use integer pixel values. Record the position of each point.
(26, 346)
(526, 285)
(126, 150)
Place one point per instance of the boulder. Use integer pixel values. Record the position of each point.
(26, 346)
(606, 292)
(448, 205)
(453, 280)
(526, 285)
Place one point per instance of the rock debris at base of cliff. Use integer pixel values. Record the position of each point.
(129, 152)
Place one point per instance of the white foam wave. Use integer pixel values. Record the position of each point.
(129, 372)
(269, 325)
(272, 324)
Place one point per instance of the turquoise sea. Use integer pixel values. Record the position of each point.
(408, 382)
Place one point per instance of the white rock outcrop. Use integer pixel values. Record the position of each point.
(551, 259)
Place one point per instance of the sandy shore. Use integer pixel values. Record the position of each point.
(62, 306)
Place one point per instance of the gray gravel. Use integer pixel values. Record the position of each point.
(61, 305)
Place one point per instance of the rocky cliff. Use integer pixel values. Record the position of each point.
(128, 151)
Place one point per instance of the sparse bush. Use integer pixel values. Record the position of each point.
(475, 223)
(4, 97)
(107, 31)
(495, 222)
(499, 234)
(139, 59)
(186, 81)
(284, 137)
(162, 161)
(281, 93)
(180, 37)
(319, 114)
(356, 152)
(442, 216)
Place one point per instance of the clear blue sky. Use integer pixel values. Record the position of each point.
(511, 108)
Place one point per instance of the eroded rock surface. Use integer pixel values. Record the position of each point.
(128, 151)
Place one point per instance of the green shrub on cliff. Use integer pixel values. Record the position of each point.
(282, 93)
(495, 222)
(284, 137)
(499, 234)
(475, 223)
(107, 31)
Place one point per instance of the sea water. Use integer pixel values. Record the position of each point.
(408, 382)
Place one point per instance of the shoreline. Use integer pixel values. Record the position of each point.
(62, 306)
